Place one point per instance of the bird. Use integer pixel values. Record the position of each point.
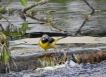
(47, 42)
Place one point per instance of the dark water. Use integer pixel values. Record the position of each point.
(69, 16)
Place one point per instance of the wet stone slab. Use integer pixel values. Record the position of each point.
(25, 58)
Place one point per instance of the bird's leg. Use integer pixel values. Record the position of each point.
(45, 53)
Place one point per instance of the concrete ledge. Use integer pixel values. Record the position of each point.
(70, 40)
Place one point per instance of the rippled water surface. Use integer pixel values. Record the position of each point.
(69, 15)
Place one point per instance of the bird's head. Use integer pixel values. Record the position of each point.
(45, 38)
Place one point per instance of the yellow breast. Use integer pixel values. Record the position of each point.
(46, 45)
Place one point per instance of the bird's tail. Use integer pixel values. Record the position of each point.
(57, 39)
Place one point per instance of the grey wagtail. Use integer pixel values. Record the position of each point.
(47, 42)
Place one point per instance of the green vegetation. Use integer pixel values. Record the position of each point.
(24, 2)
(12, 30)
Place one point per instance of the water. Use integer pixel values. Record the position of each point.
(68, 16)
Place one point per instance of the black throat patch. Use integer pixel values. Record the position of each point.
(51, 40)
(44, 40)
